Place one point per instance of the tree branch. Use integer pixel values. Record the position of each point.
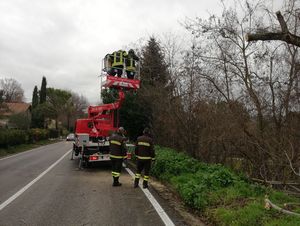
(284, 35)
(282, 22)
(269, 204)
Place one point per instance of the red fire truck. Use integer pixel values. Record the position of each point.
(91, 134)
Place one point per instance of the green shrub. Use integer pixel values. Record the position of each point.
(12, 137)
(220, 194)
(53, 133)
(201, 188)
(170, 163)
(38, 134)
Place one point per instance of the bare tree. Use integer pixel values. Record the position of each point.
(12, 90)
(257, 85)
(286, 114)
(80, 103)
(284, 35)
(75, 108)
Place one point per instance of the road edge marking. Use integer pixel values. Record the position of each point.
(22, 190)
(163, 215)
(23, 152)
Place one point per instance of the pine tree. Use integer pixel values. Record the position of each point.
(134, 115)
(154, 70)
(43, 92)
(138, 110)
(156, 92)
(35, 98)
(109, 95)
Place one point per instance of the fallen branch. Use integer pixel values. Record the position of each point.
(274, 182)
(289, 204)
(297, 189)
(297, 194)
(290, 161)
(269, 205)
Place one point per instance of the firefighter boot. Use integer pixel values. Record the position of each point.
(145, 184)
(136, 182)
(116, 182)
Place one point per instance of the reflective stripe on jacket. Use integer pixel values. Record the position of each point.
(118, 58)
(131, 65)
(117, 146)
(130, 62)
(144, 148)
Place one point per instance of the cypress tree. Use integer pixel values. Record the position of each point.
(35, 98)
(37, 115)
(43, 92)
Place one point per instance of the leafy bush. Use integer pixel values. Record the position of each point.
(169, 163)
(11, 137)
(37, 134)
(192, 179)
(221, 195)
(20, 121)
(53, 133)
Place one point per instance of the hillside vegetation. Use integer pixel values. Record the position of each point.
(220, 195)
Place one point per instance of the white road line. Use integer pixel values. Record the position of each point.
(163, 215)
(22, 190)
(23, 152)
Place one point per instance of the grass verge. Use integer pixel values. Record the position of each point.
(219, 194)
(24, 147)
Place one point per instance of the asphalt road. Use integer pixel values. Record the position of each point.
(66, 195)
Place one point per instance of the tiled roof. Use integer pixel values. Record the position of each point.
(14, 108)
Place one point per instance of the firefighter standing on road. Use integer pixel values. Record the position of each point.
(117, 154)
(145, 154)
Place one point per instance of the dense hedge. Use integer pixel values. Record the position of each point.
(12, 137)
(38, 134)
(53, 133)
(217, 192)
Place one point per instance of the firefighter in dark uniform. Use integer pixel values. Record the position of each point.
(145, 154)
(117, 154)
(130, 64)
(117, 62)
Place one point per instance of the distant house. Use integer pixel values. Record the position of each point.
(9, 109)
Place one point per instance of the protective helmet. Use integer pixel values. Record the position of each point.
(146, 131)
(121, 130)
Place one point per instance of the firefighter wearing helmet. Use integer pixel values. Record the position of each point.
(130, 61)
(117, 154)
(145, 154)
(117, 60)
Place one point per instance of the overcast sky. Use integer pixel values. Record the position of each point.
(65, 40)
